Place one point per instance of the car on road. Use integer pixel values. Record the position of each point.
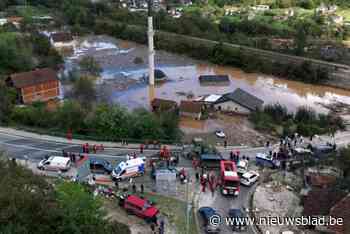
(55, 163)
(238, 220)
(249, 178)
(139, 207)
(100, 166)
(220, 134)
(207, 213)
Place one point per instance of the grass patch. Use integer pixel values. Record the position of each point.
(175, 211)
(345, 12)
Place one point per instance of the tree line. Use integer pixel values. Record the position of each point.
(277, 119)
(31, 204)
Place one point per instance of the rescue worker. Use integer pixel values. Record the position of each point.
(141, 149)
(204, 182)
(142, 188)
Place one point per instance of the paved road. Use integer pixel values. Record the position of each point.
(37, 149)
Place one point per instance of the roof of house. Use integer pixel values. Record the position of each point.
(214, 78)
(61, 37)
(25, 79)
(159, 74)
(163, 104)
(242, 98)
(322, 180)
(190, 107)
(320, 200)
(342, 209)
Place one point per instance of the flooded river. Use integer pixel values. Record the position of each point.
(121, 78)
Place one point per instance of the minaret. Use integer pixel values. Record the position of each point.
(150, 45)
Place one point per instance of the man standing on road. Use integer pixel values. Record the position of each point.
(161, 227)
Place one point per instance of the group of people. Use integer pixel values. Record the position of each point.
(234, 156)
(74, 157)
(210, 180)
(95, 148)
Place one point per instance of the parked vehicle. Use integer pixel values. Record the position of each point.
(130, 168)
(249, 178)
(139, 207)
(229, 178)
(197, 148)
(266, 160)
(242, 166)
(98, 165)
(323, 150)
(210, 161)
(55, 163)
(206, 213)
(237, 216)
(220, 134)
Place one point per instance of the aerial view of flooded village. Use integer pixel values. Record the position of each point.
(174, 117)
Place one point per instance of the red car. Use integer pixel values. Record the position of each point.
(141, 208)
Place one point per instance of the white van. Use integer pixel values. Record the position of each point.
(129, 168)
(55, 163)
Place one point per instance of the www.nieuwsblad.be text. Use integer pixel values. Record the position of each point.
(217, 220)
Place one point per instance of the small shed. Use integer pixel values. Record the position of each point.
(161, 105)
(191, 109)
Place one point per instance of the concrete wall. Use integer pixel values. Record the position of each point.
(232, 107)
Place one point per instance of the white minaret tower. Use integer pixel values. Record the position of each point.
(150, 45)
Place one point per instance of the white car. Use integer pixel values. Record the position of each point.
(55, 163)
(220, 134)
(249, 178)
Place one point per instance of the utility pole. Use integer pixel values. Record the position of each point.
(150, 45)
(188, 206)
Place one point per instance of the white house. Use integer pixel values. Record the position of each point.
(239, 102)
(62, 40)
(3, 21)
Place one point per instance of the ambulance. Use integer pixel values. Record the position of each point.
(130, 168)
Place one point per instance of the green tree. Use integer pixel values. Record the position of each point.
(84, 91)
(70, 116)
(88, 65)
(7, 101)
(83, 213)
(112, 121)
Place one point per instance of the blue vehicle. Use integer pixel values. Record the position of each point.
(206, 213)
(266, 160)
(100, 166)
(210, 161)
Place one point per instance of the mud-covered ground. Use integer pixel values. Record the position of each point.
(238, 131)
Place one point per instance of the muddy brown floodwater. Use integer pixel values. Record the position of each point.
(122, 84)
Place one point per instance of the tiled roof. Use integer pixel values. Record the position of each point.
(319, 201)
(342, 210)
(61, 37)
(163, 104)
(25, 79)
(190, 107)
